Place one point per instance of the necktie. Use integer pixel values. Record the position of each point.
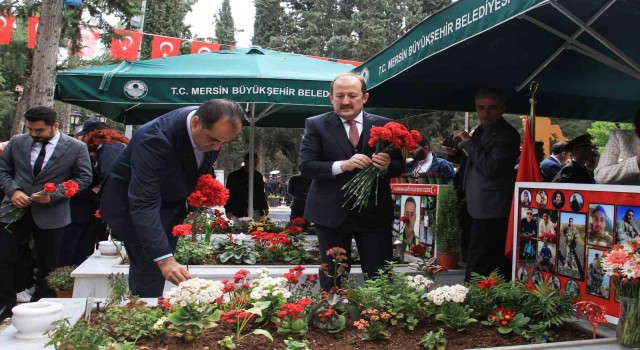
(354, 135)
(37, 166)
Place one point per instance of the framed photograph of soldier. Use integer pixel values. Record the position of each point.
(417, 203)
(627, 223)
(597, 280)
(600, 231)
(557, 200)
(542, 198)
(571, 242)
(576, 226)
(525, 198)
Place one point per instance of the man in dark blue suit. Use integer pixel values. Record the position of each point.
(144, 193)
(551, 166)
(334, 148)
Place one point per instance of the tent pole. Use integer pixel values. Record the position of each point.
(252, 165)
(128, 131)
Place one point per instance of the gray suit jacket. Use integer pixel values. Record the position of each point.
(69, 161)
(489, 179)
(618, 164)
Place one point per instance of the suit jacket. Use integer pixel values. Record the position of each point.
(69, 161)
(325, 142)
(549, 168)
(488, 176)
(618, 164)
(145, 190)
(438, 165)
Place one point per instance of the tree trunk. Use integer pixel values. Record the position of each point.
(40, 84)
(18, 121)
(65, 120)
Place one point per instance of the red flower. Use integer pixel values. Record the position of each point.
(418, 250)
(181, 230)
(404, 218)
(70, 188)
(298, 221)
(50, 187)
(97, 214)
(209, 192)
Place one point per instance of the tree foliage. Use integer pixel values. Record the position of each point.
(225, 29)
(600, 131)
(166, 17)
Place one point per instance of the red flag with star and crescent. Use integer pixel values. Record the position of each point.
(528, 171)
(6, 28)
(165, 46)
(202, 46)
(33, 31)
(127, 46)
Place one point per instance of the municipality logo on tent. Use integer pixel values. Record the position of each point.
(365, 74)
(135, 89)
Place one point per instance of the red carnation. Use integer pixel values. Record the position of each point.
(181, 230)
(70, 188)
(418, 250)
(97, 214)
(50, 187)
(404, 218)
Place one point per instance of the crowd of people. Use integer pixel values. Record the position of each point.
(141, 186)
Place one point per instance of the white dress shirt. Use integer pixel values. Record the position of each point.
(51, 146)
(335, 168)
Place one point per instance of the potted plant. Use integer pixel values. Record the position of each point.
(446, 230)
(274, 200)
(60, 279)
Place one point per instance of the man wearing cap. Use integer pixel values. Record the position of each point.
(425, 161)
(581, 150)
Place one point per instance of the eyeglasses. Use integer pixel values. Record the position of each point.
(529, 213)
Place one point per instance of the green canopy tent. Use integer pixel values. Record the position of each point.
(583, 53)
(279, 89)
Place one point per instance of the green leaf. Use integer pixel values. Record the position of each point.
(263, 332)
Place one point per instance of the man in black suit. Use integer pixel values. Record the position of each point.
(550, 167)
(334, 148)
(144, 193)
(42, 155)
(488, 183)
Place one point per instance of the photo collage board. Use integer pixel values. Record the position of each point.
(417, 204)
(564, 229)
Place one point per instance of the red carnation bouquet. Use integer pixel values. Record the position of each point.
(385, 139)
(68, 188)
(209, 193)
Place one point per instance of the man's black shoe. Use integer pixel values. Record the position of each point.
(5, 312)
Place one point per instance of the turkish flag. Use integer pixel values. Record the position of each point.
(201, 46)
(165, 46)
(90, 40)
(33, 31)
(127, 47)
(529, 171)
(6, 28)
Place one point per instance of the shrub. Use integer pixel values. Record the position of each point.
(61, 279)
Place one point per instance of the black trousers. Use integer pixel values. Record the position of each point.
(374, 245)
(12, 254)
(145, 277)
(78, 243)
(486, 248)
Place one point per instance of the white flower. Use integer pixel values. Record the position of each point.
(160, 323)
(195, 291)
(269, 287)
(456, 293)
(264, 272)
(419, 282)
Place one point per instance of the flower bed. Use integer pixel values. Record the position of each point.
(391, 312)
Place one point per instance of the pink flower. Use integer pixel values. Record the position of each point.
(616, 258)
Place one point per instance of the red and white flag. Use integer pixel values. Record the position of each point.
(6, 28)
(90, 41)
(201, 46)
(33, 31)
(127, 47)
(165, 46)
